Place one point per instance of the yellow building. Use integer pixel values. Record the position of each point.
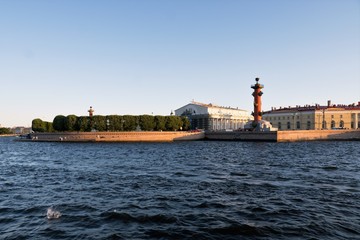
(315, 117)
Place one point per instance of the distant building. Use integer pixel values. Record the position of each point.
(315, 117)
(21, 130)
(213, 117)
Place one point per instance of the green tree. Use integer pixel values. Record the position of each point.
(173, 123)
(185, 123)
(130, 122)
(49, 126)
(160, 123)
(5, 131)
(115, 122)
(146, 122)
(70, 123)
(59, 123)
(37, 125)
(83, 124)
(99, 123)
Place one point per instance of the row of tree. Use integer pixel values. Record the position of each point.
(5, 131)
(112, 123)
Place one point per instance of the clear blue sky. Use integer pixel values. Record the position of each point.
(154, 56)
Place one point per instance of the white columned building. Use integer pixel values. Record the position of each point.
(213, 117)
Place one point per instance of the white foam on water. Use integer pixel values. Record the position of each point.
(52, 213)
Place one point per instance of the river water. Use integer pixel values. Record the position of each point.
(181, 190)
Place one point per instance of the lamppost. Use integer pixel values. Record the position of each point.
(107, 124)
(122, 124)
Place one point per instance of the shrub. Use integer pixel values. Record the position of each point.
(59, 123)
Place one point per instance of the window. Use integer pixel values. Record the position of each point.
(308, 125)
(324, 125)
(332, 116)
(340, 116)
(297, 125)
(332, 124)
(341, 124)
(288, 125)
(352, 125)
(279, 125)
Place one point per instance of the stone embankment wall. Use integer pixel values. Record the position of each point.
(279, 136)
(286, 136)
(116, 136)
(311, 135)
(242, 136)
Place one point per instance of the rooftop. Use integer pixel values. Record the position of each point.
(299, 108)
(211, 105)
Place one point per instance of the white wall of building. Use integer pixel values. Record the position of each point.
(219, 118)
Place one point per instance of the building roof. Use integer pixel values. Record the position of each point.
(315, 107)
(211, 105)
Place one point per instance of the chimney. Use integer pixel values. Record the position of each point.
(329, 103)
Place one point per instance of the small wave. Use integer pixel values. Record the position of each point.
(114, 236)
(6, 220)
(238, 229)
(257, 209)
(330, 168)
(158, 218)
(6, 210)
(240, 174)
(349, 229)
(51, 233)
(114, 215)
(125, 217)
(210, 205)
(159, 234)
(181, 174)
(33, 210)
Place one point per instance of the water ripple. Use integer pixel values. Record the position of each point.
(185, 190)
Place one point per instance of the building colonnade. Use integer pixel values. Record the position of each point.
(214, 123)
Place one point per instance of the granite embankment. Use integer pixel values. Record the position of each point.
(279, 136)
(286, 136)
(316, 135)
(116, 136)
(242, 136)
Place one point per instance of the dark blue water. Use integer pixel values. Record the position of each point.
(184, 190)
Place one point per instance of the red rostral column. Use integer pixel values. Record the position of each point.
(91, 112)
(257, 101)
